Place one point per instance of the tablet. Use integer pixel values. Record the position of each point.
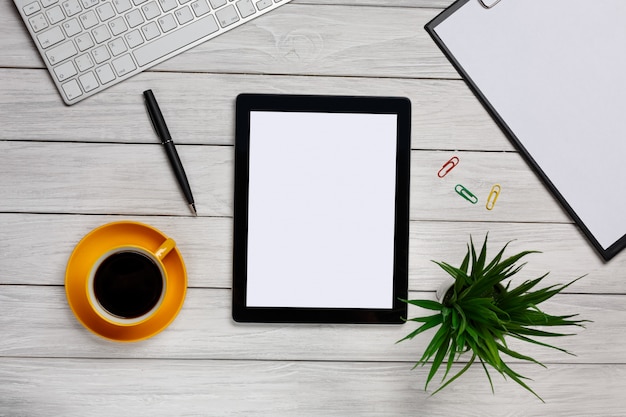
(321, 209)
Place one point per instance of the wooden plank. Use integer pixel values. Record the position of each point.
(164, 388)
(37, 322)
(306, 39)
(566, 253)
(112, 179)
(199, 108)
(206, 245)
(386, 3)
(136, 179)
(523, 194)
(17, 49)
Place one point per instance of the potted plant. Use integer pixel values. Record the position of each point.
(479, 311)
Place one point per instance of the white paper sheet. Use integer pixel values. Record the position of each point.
(555, 71)
(321, 210)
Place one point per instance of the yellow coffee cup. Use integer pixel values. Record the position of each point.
(126, 281)
(127, 284)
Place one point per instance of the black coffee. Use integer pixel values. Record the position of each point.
(128, 284)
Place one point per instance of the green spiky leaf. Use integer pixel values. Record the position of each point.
(481, 310)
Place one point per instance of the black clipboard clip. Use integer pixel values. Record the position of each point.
(488, 5)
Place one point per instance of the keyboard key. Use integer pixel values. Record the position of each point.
(65, 71)
(72, 90)
(50, 37)
(175, 40)
(246, 8)
(133, 38)
(89, 19)
(61, 52)
(101, 34)
(31, 8)
(168, 5)
(118, 26)
(124, 65)
(105, 11)
(134, 18)
(217, 3)
(88, 81)
(150, 31)
(183, 15)
(89, 3)
(227, 16)
(117, 46)
(84, 41)
(55, 15)
(71, 7)
(200, 7)
(38, 23)
(263, 4)
(84, 62)
(105, 74)
(89, 43)
(101, 54)
(151, 10)
(71, 27)
(122, 5)
(167, 23)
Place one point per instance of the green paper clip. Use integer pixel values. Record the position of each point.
(466, 194)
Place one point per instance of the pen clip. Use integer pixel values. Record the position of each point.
(156, 117)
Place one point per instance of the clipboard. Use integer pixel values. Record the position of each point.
(321, 210)
(551, 74)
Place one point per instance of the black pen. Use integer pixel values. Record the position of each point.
(164, 134)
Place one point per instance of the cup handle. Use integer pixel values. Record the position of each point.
(165, 248)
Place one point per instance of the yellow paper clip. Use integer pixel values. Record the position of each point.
(493, 196)
(466, 194)
(448, 166)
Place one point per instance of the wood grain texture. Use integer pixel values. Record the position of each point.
(76, 388)
(386, 3)
(305, 39)
(81, 178)
(199, 108)
(97, 178)
(35, 249)
(37, 322)
(99, 161)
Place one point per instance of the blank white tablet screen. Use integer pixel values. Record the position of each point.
(321, 207)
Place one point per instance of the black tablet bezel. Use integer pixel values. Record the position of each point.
(247, 103)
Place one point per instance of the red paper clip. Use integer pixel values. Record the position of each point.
(448, 166)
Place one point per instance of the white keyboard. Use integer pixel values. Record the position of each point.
(90, 45)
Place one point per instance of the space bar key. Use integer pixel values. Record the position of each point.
(175, 40)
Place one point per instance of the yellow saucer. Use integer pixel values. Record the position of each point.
(91, 248)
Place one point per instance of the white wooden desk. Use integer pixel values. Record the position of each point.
(65, 170)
